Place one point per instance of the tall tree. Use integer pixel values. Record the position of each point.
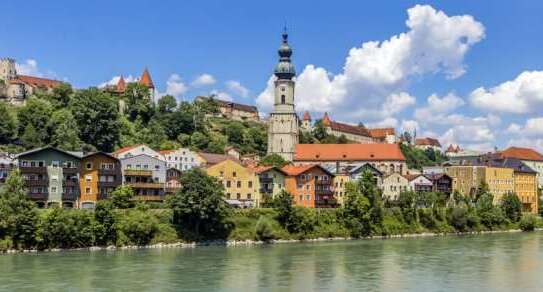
(65, 131)
(138, 102)
(8, 124)
(167, 104)
(36, 112)
(97, 115)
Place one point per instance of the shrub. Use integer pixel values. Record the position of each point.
(426, 218)
(122, 196)
(528, 222)
(165, 234)
(137, 227)
(64, 228)
(511, 206)
(458, 218)
(263, 229)
(104, 228)
(6, 244)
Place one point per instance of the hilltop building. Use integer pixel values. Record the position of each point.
(428, 143)
(120, 88)
(232, 110)
(16, 88)
(283, 122)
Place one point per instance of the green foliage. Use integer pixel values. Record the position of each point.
(198, 207)
(33, 124)
(8, 124)
(458, 218)
(136, 227)
(166, 104)
(319, 132)
(105, 228)
(65, 132)
(121, 197)
(61, 95)
(31, 138)
(65, 228)
(263, 229)
(138, 102)
(417, 158)
(273, 160)
(528, 222)
(97, 117)
(511, 206)
(199, 141)
(490, 216)
(18, 215)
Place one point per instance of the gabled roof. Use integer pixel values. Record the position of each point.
(126, 148)
(437, 176)
(516, 164)
(521, 153)
(307, 117)
(146, 79)
(99, 153)
(411, 177)
(166, 151)
(427, 142)
(36, 81)
(121, 85)
(294, 170)
(365, 165)
(142, 154)
(348, 152)
(262, 169)
(212, 158)
(381, 133)
(47, 148)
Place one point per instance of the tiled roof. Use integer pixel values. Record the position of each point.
(126, 148)
(121, 85)
(260, 169)
(427, 141)
(345, 128)
(36, 81)
(381, 132)
(166, 151)
(146, 79)
(521, 153)
(294, 170)
(348, 152)
(307, 117)
(411, 177)
(212, 158)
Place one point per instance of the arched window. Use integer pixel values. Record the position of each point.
(282, 99)
(391, 168)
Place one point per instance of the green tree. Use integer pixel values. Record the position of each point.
(138, 102)
(35, 113)
(356, 212)
(217, 144)
(65, 228)
(152, 135)
(274, 160)
(199, 207)
(8, 124)
(199, 141)
(234, 132)
(167, 104)
(61, 95)
(319, 132)
(97, 116)
(122, 196)
(65, 131)
(490, 215)
(31, 138)
(342, 139)
(511, 206)
(137, 227)
(105, 229)
(18, 215)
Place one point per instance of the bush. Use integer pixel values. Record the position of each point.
(511, 206)
(263, 229)
(5, 244)
(458, 218)
(137, 227)
(64, 228)
(426, 218)
(528, 222)
(165, 234)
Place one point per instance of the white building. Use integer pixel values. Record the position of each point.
(181, 159)
(136, 150)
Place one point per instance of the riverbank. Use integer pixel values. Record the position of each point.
(248, 242)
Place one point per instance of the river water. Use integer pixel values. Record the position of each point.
(494, 262)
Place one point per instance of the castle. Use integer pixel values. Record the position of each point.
(16, 88)
(119, 89)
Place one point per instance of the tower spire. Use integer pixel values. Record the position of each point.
(285, 69)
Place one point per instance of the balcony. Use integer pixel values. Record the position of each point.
(109, 184)
(36, 183)
(70, 170)
(37, 196)
(109, 172)
(141, 185)
(172, 190)
(149, 198)
(325, 203)
(138, 172)
(71, 183)
(323, 182)
(267, 180)
(33, 169)
(328, 192)
(266, 190)
(70, 197)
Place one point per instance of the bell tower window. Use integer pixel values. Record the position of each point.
(282, 99)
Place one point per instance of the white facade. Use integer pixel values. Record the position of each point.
(182, 159)
(138, 150)
(393, 185)
(420, 182)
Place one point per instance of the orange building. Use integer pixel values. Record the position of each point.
(310, 185)
(100, 175)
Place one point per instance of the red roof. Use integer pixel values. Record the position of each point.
(521, 153)
(348, 152)
(294, 170)
(36, 81)
(146, 79)
(326, 120)
(307, 117)
(166, 151)
(121, 85)
(345, 128)
(381, 132)
(212, 158)
(427, 141)
(124, 149)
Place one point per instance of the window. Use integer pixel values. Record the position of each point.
(228, 184)
(138, 166)
(234, 174)
(157, 167)
(250, 184)
(87, 190)
(24, 163)
(308, 197)
(53, 189)
(308, 187)
(221, 174)
(55, 163)
(301, 198)
(129, 166)
(88, 165)
(103, 178)
(88, 177)
(228, 196)
(303, 176)
(146, 166)
(282, 99)
(41, 163)
(32, 163)
(69, 164)
(238, 184)
(248, 196)
(238, 196)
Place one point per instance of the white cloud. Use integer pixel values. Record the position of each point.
(522, 95)
(377, 71)
(175, 86)
(115, 80)
(265, 99)
(533, 127)
(397, 102)
(30, 68)
(534, 143)
(204, 80)
(236, 88)
(221, 95)
(436, 107)
(387, 122)
(409, 126)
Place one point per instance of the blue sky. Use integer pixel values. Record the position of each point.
(451, 49)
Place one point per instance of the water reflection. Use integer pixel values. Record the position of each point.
(503, 262)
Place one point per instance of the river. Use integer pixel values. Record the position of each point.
(493, 262)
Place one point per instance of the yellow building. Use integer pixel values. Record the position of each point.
(526, 184)
(340, 182)
(240, 183)
(467, 179)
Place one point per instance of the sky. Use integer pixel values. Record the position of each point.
(465, 72)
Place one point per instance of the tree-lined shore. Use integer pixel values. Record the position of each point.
(198, 213)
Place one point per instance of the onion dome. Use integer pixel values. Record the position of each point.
(285, 69)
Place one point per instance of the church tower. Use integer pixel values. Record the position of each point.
(283, 122)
